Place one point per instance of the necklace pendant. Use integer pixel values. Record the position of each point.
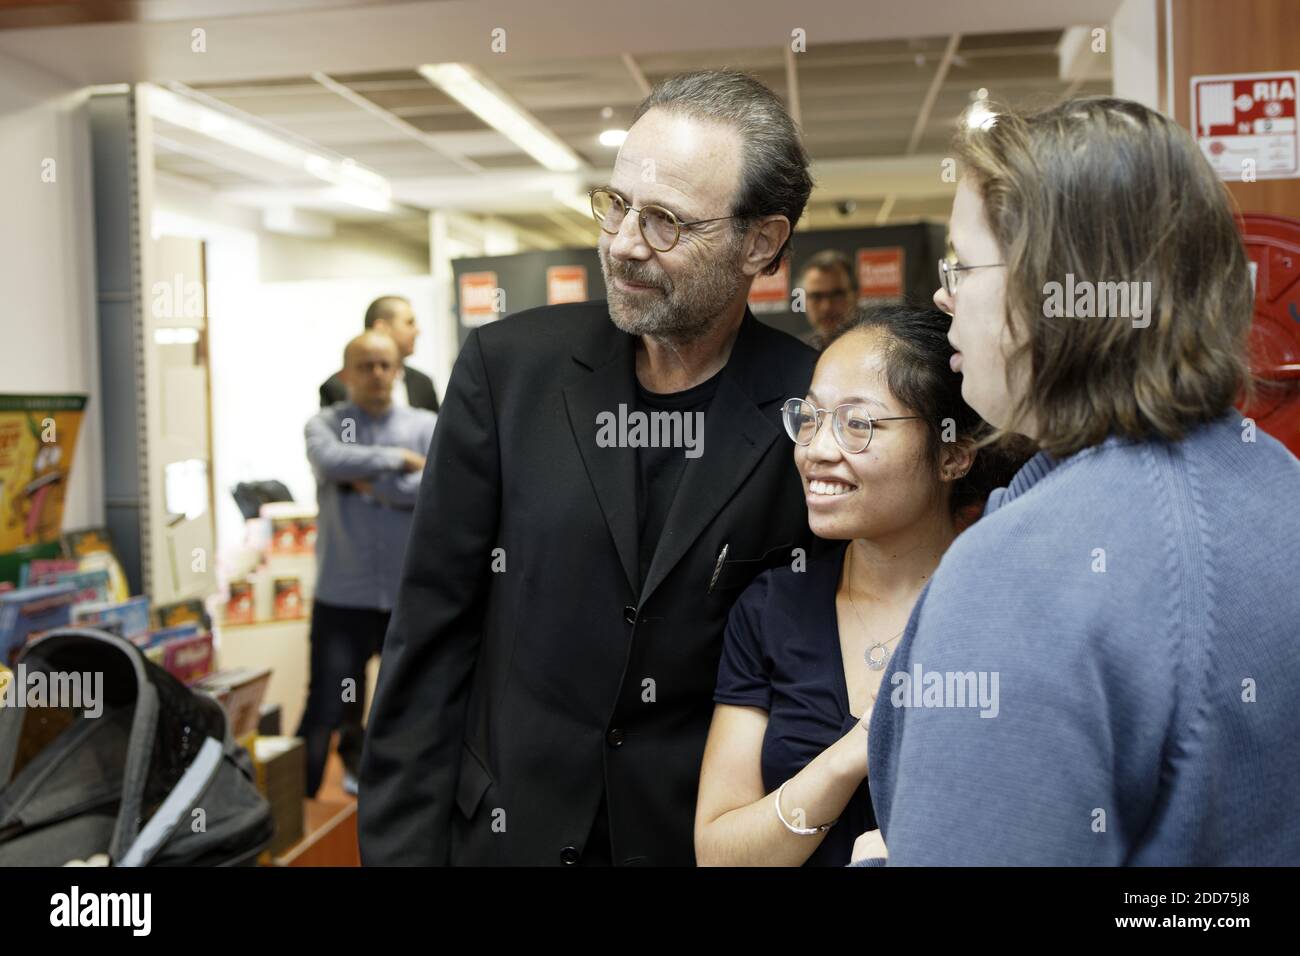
(876, 656)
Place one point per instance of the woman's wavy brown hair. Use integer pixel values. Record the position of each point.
(1110, 191)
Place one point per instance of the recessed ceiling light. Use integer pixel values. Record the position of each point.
(613, 138)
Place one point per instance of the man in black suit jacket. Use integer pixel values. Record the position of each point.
(394, 316)
(547, 678)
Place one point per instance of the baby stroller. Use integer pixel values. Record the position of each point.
(152, 779)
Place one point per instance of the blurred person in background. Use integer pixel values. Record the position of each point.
(393, 316)
(367, 454)
(830, 295)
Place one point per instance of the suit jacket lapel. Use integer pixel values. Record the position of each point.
(611, 381)
(736, 435)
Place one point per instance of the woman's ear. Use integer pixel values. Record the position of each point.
(956, 459)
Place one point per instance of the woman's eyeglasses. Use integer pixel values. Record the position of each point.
(660, 227)
(949, 269)
(852, 425)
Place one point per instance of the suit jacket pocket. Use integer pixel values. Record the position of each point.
(738, 572)
(474, 782)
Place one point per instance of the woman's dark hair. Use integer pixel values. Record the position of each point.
(916, 353)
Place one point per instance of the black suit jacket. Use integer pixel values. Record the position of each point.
(526, 669)
(419, 390)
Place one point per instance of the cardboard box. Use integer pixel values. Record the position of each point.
(280, 765)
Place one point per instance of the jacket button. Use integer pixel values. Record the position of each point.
(615, 737)
(569, 855)
(629, 614)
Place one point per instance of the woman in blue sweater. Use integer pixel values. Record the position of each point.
(1132, 594)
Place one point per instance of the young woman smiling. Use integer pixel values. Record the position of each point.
(884, 444)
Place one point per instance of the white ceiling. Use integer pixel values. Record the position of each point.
(341, 75)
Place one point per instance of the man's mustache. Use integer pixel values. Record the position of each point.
(636, 275)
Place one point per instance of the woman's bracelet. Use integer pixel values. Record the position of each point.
(799, 831)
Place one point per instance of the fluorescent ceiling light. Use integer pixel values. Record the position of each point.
(613, 137)
(355, 184)
(493, 106)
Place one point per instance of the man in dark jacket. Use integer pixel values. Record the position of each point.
(392, 315)
(604, 481)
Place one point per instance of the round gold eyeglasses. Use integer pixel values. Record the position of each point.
(660, 227)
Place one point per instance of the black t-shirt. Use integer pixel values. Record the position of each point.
(659, 470)
(781, 653)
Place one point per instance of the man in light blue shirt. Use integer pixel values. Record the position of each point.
(368, 458)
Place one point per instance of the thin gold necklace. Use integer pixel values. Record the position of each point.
(878, 653)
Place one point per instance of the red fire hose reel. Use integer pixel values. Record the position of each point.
(1273, 245)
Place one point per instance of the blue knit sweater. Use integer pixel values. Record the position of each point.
(1132, 616)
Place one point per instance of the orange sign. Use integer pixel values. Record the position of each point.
(566, 284)
(771, 293)
(481, 299)
(880, 273)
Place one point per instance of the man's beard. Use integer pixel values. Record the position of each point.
(682, 310)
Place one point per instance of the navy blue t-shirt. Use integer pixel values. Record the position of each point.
(781, 653)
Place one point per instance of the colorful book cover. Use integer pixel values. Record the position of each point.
(30, 611)
(239, 606)
(284, 536)
(307, 535)
(187, 658)
(129, 619)
(171, 633)
(91, 585)
(182, 612)
(288, 599)
(86, 541)
(38, 436)
(45, 571)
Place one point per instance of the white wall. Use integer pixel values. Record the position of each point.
(1133, 52)
(353, 252)
(48, 339)
(269, 357)
(273, 342)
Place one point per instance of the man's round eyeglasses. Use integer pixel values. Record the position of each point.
(852, 425)
(660, 227)
(949, 269)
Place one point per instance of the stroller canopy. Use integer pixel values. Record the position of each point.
(140, 768)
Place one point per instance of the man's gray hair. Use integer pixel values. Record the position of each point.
(774, 177)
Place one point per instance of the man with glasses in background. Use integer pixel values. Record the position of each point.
(830, 295)
(548, 675)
